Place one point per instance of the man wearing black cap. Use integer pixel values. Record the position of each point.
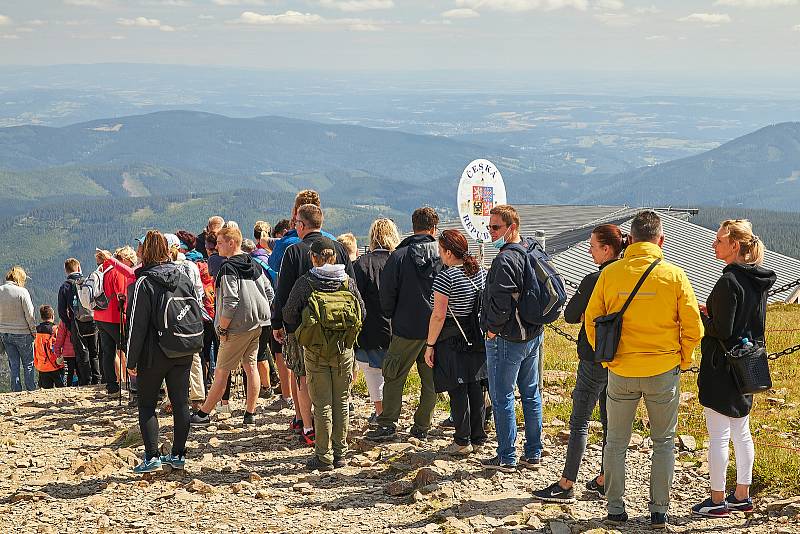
(327, 352)
(297, 262)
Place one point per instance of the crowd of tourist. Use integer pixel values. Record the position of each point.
(299, 312)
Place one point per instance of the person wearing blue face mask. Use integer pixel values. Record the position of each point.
(512, 346)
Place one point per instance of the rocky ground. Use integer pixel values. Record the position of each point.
(66, 458)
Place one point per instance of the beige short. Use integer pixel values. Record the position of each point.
(238, 349)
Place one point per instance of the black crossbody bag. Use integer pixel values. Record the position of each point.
(608, 328)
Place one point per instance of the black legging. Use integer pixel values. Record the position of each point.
(109, 338)
(175, 371)
(209, 353)
(467, 408)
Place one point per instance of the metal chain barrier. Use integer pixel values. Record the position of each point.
(562, 333)
(783, 288)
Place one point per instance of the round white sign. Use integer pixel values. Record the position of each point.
(481, 188)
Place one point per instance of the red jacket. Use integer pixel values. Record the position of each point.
(63, 346)
(115, 286)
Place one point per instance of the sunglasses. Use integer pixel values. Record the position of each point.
(496, 227)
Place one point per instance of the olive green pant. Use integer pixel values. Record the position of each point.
(400, 356)
(329, 389)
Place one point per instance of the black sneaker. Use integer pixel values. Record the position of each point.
(594, 487)
(372, 419)
(735, 505)
(338, 463)
(315, 464)
(197, 419)
(555, 493)
(497, 465)
(617, 519)
(658, 520)
(249, 419)
(421, 435)
(382, 433)
(709, 508)
(448, 423)
(133, 400)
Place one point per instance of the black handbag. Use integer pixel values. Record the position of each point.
(749, 366)
(608, 328)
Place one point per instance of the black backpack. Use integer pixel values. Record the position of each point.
(179, 321)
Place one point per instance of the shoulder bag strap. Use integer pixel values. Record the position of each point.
(639, 285)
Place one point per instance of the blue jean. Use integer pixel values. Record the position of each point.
(19, 348)
(509, 363)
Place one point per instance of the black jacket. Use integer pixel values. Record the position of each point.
(65, 295)
(200, 244)
(406, 285)
(144, 302)
(503, 286)
(737, 308)
(295, 263)
(573, 312)
(377, 330)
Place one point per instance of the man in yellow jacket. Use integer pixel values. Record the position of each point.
(660, 330)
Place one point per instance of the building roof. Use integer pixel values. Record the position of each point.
(688, 246)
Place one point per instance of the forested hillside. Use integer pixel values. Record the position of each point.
(780, 230)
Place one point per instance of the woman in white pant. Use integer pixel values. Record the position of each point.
(735, 309)
(377, 330)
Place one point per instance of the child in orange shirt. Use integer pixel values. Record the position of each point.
(50, 367)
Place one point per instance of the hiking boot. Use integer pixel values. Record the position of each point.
(555, 493)
(421, 435)
(133, 400)
(709, 508)
(447, 423)
(265, 393)
(496, 464)
(530, 463)
(659, 520)
(148, 466)
(338, 463)
(307, 438)
(617, 519)
(296, 425)
(735, 505)
(249, 419)
(315, 464)
(373, 419)
(174, 461)
(477, 448)
(594, 487)
(455, 449)
(197, 419)
(224, 408)
(382, 433)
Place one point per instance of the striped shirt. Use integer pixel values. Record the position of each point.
(459, 289)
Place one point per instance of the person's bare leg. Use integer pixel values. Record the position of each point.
(253, 387)
(217, 390)
(263, 373)
(305, 403)
(378, 407)
(283, 374)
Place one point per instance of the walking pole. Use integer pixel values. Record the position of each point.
(122, 367)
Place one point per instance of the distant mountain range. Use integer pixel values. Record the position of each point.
(65, 190)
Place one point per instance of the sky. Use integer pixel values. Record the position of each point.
(475, 37)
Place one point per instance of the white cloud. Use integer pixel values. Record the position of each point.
(89, 3)
(10, 36)
(756, 3)
(618, 20)
(611, 5)
(796, 28)
(523, 5)
(289, 17)
(652, 10)
(656, 38)
(429, 22)
(356, 5)
(23, 29)
(205, 17)
(37, 22)
(117, 37)
(461, 13)
(5, 20)
(707, 18)
(166, 28)
(141, 22)
(239, 2)
(169, 3)
(365, 27)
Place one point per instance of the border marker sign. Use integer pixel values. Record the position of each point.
(481, 188)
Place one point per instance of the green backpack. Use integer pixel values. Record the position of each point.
(331, 323)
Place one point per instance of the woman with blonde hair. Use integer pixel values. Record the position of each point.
(735, 310)
(377, 331)
(18, 327)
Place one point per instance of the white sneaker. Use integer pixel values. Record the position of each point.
(224, 408)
